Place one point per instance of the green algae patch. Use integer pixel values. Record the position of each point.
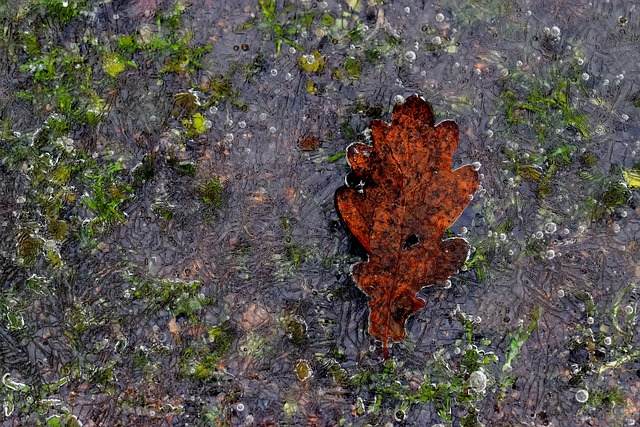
(183, 298)
(303, 370)
(631, 178)
(312, 63)
(105, 198)
(212, 193)
(311, 87)
(201, 359)
(113, 65)
(195, 125)
(353, 68)
(282, 24)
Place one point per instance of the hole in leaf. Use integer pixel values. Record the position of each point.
(412, 240)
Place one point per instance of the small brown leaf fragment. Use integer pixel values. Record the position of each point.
(406, 198)
(174, 326)
(309, 143)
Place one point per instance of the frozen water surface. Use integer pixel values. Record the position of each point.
(170, 253)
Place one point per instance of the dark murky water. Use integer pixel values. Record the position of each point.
(171, 253)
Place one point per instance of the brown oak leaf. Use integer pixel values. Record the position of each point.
(405, 198)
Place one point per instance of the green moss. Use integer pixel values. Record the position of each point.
(303, 370)
(63, 420)
(145, 171)
(104, 378)
(382, 48)
(327, 20)
(518, 338)
(63, 87)
(443, 384)
(311, 87)
(479, 262)
(609, 397)
(289, 409)
(295, 329)
(61, 10)
(253, 345)
(140, 359)
(282, 26)
(215, 416)
(337, 156)
(635, 99)
(374, 111)
(544, 190)
(180, 56)
(588, 160)
(181, 297)
(29, 40)
(58, 229)
(545, 110)
(128, 44)
(166, 44)
(475, 11)
(200, 360)
(195, 125)
(29, 248)
(616, 194)
(295, 253)
(222, 336)
(61, 174)
(561, 154)
(373, 55)
(164, 210)
(187, 102)
(105, 196)
(215, 90)
(58, 173)
(312, 63)
(220, 88)
(113, 64)
(604, 353)
(353, 68)
(212, 193)
(632, 178)
(545, 105)
(182, 167)
(78, 320)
